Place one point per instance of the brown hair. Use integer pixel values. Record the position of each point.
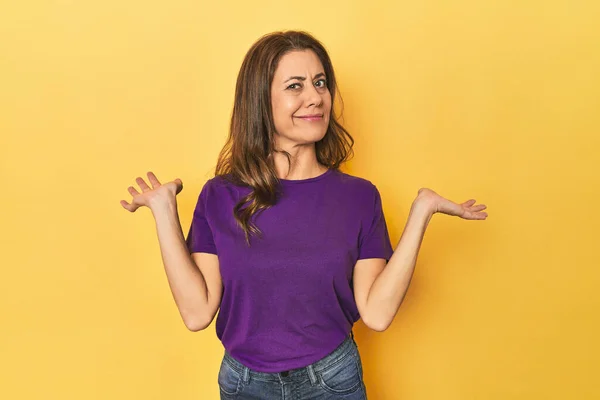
(247, 157)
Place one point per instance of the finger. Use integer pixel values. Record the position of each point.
(179, 185)
(153, 179)
(133, 191)
(127, 206)
(469, 203)
(479, 207)
(143, 184)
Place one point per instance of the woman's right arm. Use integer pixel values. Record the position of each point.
(194, 279)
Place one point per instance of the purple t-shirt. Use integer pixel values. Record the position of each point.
(288, 300)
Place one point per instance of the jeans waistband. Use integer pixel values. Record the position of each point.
(344, 349)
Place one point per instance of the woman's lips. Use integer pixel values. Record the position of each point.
(312, 118)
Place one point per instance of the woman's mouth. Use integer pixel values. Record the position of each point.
(316, 117)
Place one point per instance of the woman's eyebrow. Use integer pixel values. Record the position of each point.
(302, 78)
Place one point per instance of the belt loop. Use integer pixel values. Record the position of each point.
(312, 375)
(245, 374)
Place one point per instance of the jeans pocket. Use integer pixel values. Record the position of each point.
(341, 378)
(229, 379)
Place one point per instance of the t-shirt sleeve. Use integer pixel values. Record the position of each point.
(200, 237)
(374, 241)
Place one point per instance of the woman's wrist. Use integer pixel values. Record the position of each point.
(163, 204)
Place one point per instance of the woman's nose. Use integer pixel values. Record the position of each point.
(313, 96)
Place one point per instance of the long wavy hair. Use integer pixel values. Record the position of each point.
(247, 157)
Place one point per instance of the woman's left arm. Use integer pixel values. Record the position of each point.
(390, 286)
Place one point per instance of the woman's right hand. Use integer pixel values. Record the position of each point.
(154, 196)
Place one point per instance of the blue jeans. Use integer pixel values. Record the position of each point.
(338, 375)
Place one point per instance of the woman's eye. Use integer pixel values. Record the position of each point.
(298, 85)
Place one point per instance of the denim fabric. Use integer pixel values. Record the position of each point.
(338, 375)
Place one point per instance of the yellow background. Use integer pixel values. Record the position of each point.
(493, 100)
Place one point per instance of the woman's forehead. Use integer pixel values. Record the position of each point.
(298, 63)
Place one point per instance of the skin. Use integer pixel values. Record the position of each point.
(291, 99)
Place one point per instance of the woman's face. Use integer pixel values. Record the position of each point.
(299, 89)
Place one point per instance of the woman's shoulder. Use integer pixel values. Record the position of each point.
(355, 182)
(225, 185)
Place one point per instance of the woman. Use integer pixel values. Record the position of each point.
(286, 246)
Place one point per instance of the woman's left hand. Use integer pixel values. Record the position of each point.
(437, 204)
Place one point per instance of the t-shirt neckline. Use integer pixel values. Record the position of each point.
(313, 179)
